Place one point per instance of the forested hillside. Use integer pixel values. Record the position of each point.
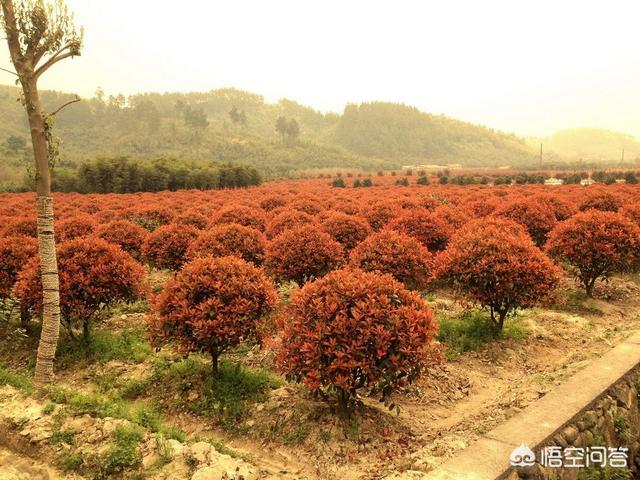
(590, 144)
(232, 126)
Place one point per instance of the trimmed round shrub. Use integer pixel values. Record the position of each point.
(166, 247)
(127, 235)
(272, 202)
(632, 212)
(535, 217)
(595, 244)
(194, 219)
(345, 229)
(242, 215)
(302, 254)
(26, 226)
(286, 220)
(74, 227)
(425, 227)
(150, 218)
(401, 256)
(231, 239)
(15, 252)
(212, 304)
(379, 214)
(93, 274)
(354, 330)
(606, 202)
(495, 263)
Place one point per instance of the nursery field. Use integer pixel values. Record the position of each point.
(302, 330)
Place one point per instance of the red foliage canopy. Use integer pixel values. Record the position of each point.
(74, 227)
(347, 230)
(127, 235)
(285, 220)
(93, 273)
(425, 227)
(303, 253)
(15, 252)
(397, 254)
(353, 329)
(242, 215)
(595, 244)
(495, 263)
(210, 305)
(166, 247)
(537, 218)
(230, 239)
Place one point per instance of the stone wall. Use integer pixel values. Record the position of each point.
(613, 420)
(597, 406)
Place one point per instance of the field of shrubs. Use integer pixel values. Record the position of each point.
(348, 330)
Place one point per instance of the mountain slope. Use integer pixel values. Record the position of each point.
(590, 144)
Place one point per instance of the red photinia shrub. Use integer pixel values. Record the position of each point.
(455, 217)
(193, 218)
(397, 254)
(632, 212)
(353, 330)
(26, 226)
(242, 215)
(379, 214)
(210, 305)
(231, 239)
(286, 220)
(561, 209)
(167, 246)
(303, 253)
(306, 205)
(345, 229)
(127, 235)
(74, 227)
(595, 244)
(93, 274)
(482, 208)
(271, 202)
(607, 202)
(14, 254)
(537, 218)
(498, 266)
(425, 227)
(150, 218)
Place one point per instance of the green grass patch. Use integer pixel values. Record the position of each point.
(229, 396)
(605, 473)
(469, 331)
(124, 454)
(105, 346)
(66, 435)
(17, 379)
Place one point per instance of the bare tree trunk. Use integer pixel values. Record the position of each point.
(46, 240)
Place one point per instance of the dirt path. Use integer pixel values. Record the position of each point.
(18, 467)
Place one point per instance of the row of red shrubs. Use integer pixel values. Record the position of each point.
(355, 324)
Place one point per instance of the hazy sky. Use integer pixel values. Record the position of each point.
(529, 66)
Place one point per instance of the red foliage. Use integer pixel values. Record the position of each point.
(345, 229)
(425, 227)
(242, 215)
(355, 330)
(537, 218)
(231, 239)
(302, 254)
(286, 220)
(26, 226)
(150, 218)
(607, 202)
(127, 235)
(379, 214)
(193, 218)
(210, 305)
(495, 263)
(93, 273)
(452, 216)
(632, 212)
(166, 247)
(271, 202)
(397, 254)
(15, 252)
(74, 227)
(595, 244)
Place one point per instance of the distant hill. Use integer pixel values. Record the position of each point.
(230, 125)
(590, 144)
(391, 130)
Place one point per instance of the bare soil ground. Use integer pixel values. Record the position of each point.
(290, 435)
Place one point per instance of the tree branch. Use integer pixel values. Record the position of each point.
(77, 99)
(55, 59)
(9, 71)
